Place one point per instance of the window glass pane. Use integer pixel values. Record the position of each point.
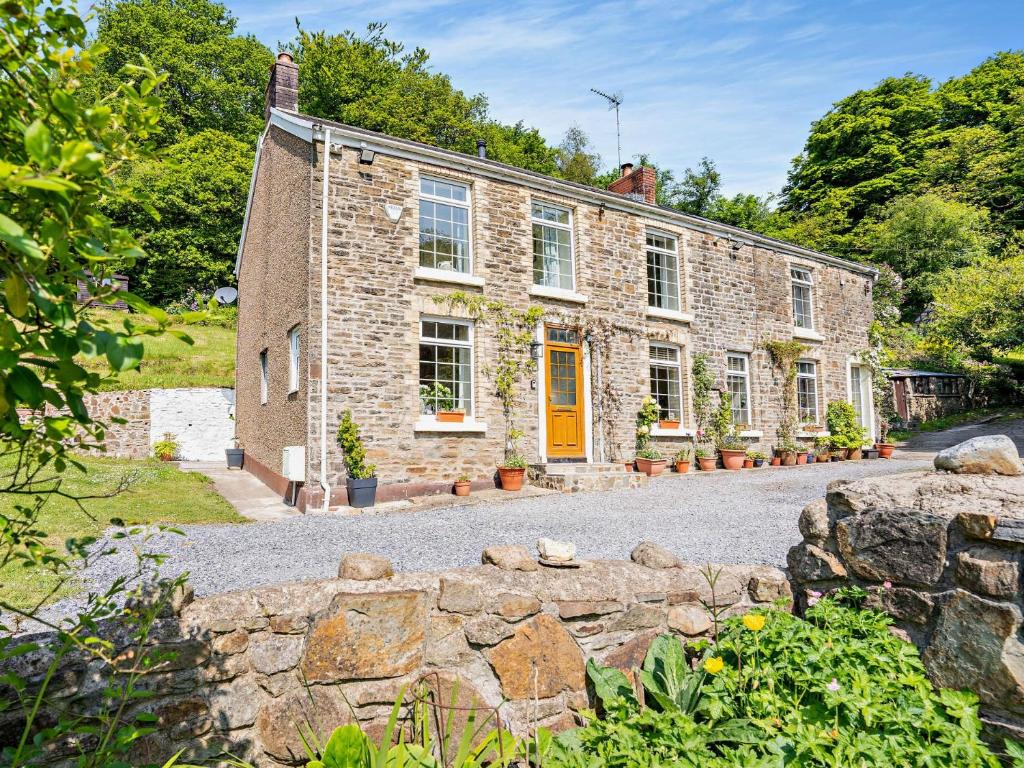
(445, 367)
(738, 384)
(662, 280)
(444, 228)
(552, 258)
(668, 354)
(665, 389)
(807, 391)
(550, 213)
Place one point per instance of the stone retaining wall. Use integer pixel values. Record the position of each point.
(251, 665)
(942, 554)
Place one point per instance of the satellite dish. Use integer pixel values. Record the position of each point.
(225, 295)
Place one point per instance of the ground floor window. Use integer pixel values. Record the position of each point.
(807, 390)
(446, 366)
(738, 381)
(860, 395)
(666, 381)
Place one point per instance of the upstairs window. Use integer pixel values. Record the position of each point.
(666, 381)
(446, 366)
(444, 225)
(264, 378)
(807, 391)
(552, 246)
(293, 360)
(662, 272)
(803, 295)
(738, 381)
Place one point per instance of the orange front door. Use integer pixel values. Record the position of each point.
(563, 373)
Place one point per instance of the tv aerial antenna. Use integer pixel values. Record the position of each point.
(614, 102)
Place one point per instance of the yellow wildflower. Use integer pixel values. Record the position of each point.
(754, 622)
(713, 665)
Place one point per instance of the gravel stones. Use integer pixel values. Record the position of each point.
(986, 455)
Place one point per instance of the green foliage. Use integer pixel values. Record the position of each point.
(703, 383)
(166, 447)
(835, 689)
(683, 454)
(650, 453)
(195, 194)
(722, 429)
(699, 188)
(436, 397)
(844, 431)
(646, 417)
(784, 356)
(215, 79)
(575, 158)
(352, 448)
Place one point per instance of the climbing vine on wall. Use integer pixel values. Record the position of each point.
(784, 356)
(703, 384)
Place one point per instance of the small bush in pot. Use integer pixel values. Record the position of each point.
(757, 458)
(823, 449)
(166, 448)
(513, 467)
(650, 461)
(440, 401)
(706, 458)
(787, 452)
(361, 482)
(462, 485)
(682, 459)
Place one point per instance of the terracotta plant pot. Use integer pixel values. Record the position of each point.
(511, 478)
(732, 459)
(787, 458)
(855, 454)
(748, 463)
(669, 424)
(451, 416)
(629, 464)
(708, 464)
(821, 458)
(801, 457)
(166, 457)
(682, 467)
(651, 467)
(462, 487)
(885, 450)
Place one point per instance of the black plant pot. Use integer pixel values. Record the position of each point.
(870, 453)
(361, 493)
(758, 462)
(835, 458)
(235, 457)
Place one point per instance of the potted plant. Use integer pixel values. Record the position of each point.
(748, 461)
(682, 459)
(885, 449)
(669, 423)
(723, 434)
(440, 401)
(235, 455)
(361, 481)
(787, 453)
(810, 424)
(776, 460)
(462, 485)
(512, 470)
(757, 457)
(823, 449)
(706, 459)
(733, 451)
(166, 448)
(650, 461)
(846, 433)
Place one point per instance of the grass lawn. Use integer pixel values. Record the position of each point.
(169, 362)
(1003, 413)
(159, 493)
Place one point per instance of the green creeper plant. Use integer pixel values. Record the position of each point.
(784, 356)
(703, 384)
(353, 450)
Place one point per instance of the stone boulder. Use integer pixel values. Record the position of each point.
(652, 555)
(556, 551)
(509, 557)
(986, 455)
(905, 546)
(362, 566)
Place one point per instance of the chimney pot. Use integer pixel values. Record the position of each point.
(283, 86)
(285, 57)
(481, 148)
(625, 170)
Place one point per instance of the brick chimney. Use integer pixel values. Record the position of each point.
(283, 88)
(636, 184)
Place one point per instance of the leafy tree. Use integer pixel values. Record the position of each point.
(576, 159)
(516, 145)
(198, 190)
(215, 79)
(699, 188)
(750, 212)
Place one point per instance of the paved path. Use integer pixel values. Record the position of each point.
(249, 497)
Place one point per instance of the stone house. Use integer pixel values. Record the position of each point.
(339, 310)
(922, 395)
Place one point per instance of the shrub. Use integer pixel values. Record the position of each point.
(352, 446)
(515, 461)
(166, 447)
(650, 453)
(835, 689)
(843, 427)
(684, 453)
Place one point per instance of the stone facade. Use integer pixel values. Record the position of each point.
(941, 553)
(251, 665)
(130, 440)
(735, 293)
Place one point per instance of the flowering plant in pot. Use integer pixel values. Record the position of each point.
(650, 461)
(682, 459)
(757, 458)
(706, 458)
(462, 485)
(361, 482)
(440, 401)
(786, 451)
(723, 433)
(822, 449)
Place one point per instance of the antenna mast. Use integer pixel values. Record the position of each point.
(614, 102)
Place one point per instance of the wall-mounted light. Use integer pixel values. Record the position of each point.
(393, 212)
(366, 156)
(536, 349)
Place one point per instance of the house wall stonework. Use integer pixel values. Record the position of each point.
(738, 297)
(273, 290)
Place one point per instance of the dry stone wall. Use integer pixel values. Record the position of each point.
(941, 552)
(512, 635)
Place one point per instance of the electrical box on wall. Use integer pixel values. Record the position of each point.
(293, 463)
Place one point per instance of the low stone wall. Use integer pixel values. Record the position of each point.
(252, 665)
(942, 554)
(129, 440)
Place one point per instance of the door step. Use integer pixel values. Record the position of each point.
(573, 478)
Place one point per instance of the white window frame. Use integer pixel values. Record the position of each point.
(677, 365)
(745, 375)
(867, 394)
(817, 395)
(554, 225)
(806, 281)
(468, 206)
(294, 351)
(672, 253)
(471, 345)
(264, 377)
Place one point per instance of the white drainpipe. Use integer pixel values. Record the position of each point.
(323, 322)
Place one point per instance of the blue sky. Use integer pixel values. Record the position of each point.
(737, 81)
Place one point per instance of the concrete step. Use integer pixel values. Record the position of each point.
(573, 478)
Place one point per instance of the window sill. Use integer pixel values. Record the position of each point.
(807, 333)
(562, 294)
(669, 314)
(429, 424)
(447, 276)
(657, 431)
(822, 433)
(751, 433)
